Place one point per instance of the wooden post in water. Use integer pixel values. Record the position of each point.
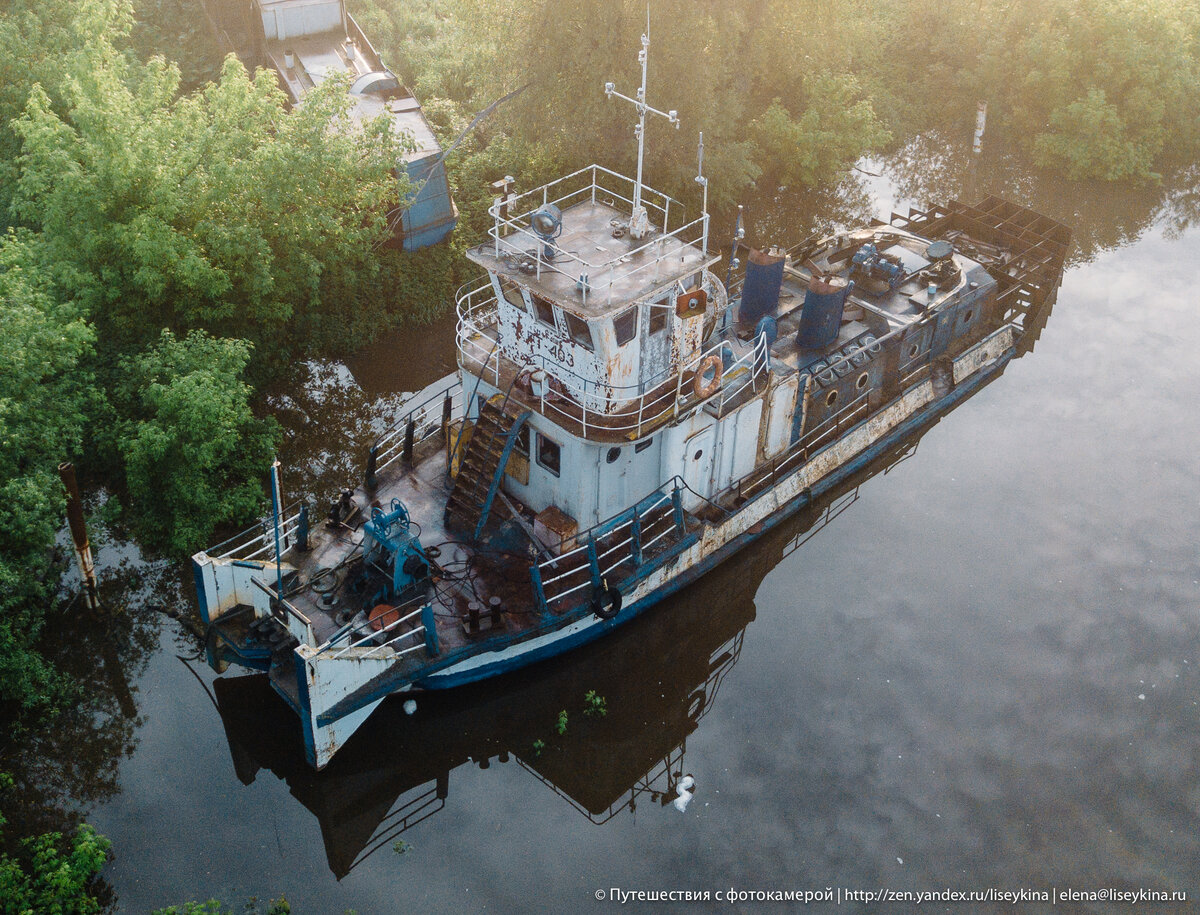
(83, 549)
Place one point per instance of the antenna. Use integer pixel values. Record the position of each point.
(639, 221)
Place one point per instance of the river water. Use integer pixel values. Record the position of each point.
(977, 670)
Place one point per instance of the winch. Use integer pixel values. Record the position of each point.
(392, 546)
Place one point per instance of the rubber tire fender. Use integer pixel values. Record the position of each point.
(606, 602)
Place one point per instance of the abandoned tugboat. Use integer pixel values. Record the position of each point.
(620, 422)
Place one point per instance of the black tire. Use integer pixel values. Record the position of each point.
(606, 603)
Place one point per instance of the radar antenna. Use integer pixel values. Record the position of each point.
(639, 220)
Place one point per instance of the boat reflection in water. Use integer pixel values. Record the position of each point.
(395, 771)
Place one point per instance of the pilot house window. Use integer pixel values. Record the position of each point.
(549, 454)
(578, 329)
(512, 292)
(658, 317)
(543, 309)
(625, 325)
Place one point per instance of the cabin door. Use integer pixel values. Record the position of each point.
(698, 465)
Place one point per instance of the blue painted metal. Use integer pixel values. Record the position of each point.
(593, 561)
(760, 292)
(391, 533)
(302, 529)
(510, 441)
(539, 593)
(431, 638)
(201, 593)
(677, 506)
(431, 215)
(769, 326)
(635, 539)
(821, 317)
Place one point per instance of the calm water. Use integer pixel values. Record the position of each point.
(983, 672)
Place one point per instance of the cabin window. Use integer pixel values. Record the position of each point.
(512, 292)
(578, 329)
(642, 446)
(658, 317)
(549, 454)
(625, 325)
(613, 454)
(542, 309)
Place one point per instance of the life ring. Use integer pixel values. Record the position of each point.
(711, 362)
(606, 602)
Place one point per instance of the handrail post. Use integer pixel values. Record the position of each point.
(430, 626)
(677, 506)
(593, 561)
(635, 538)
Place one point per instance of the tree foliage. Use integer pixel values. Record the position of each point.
(45, 397)
(219, 210)
(51, 876)
(194, 453)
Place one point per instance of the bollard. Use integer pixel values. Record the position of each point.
(372, 481)
(302, 530)
(409, 430)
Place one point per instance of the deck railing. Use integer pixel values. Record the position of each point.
(513, 236)
(418, 421)
(600, 408)
(604, 548)
(257, 543)
(822, 434)
(366, 641)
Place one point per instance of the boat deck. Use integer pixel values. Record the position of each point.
(331, 600)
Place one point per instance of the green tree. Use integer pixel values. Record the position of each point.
(836, 127)
(194, 452)
(45, 396)
(220, 209)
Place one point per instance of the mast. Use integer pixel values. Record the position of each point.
(639, 220)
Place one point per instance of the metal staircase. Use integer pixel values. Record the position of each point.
(481, 470)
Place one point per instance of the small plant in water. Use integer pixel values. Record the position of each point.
(561, 727)
(401, 847)
(594, 705)
(538, 746)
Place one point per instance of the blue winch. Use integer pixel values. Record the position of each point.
(392, 546)
(869, 264)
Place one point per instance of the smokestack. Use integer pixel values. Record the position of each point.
(83, 549)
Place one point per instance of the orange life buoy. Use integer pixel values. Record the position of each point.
(710, 363)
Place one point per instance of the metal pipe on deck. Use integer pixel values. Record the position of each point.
(83, 549)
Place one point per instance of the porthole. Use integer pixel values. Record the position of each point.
(862, 381)
(699, 454)
(831, 398)
(913, 349)
(968, 316)
(613, 454)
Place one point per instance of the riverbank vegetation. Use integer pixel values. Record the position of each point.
(174, 237)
